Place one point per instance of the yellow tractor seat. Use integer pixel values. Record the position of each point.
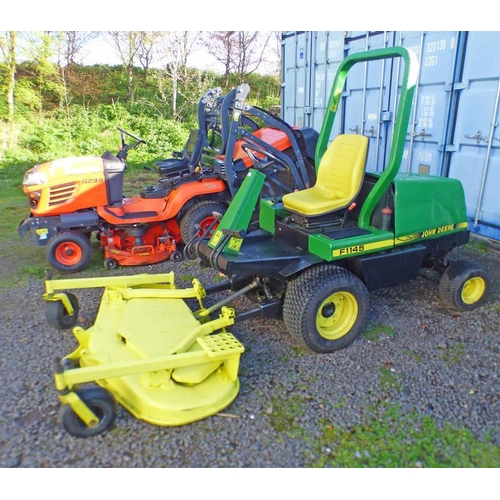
(340, 174)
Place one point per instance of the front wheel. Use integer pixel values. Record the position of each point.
(325, 308)
(69, 251)
(101, 402)
(464, 285)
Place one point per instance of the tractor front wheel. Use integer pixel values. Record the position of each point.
(325, 308)
(69, 251)
(463, 285)
(101, 402)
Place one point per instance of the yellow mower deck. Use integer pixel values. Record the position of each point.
(164, 363)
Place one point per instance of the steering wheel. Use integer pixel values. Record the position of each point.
(125, 132)
(263, 159)
(125, 148)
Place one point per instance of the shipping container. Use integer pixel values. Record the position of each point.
(453, 130)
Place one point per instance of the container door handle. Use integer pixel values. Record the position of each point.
(478, 137)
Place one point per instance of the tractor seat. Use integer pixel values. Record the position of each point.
(340, 174)
(186, 161)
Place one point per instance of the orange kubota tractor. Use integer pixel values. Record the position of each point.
(72, 198)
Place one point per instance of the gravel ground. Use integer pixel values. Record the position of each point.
(446, 364)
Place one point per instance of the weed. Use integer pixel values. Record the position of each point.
(284, 414)
(185, 278)
(389, 380)
(394, 439)
(374, 332)
(454, 354)
(478, 245)
(413, 355)
(36, 271)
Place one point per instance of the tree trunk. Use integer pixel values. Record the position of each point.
(11, 73)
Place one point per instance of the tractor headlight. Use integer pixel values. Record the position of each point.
(34, 178)
(34, 198)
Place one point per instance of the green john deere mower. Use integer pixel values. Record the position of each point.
(318, 251)
(309, 257)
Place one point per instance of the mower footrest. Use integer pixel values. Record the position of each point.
(221, 345)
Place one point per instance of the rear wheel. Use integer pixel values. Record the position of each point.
(103, 405)
(325, 308)
(69, 251)
(463, 285)
(202, 215)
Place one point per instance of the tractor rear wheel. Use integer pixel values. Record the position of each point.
(325, 308)
(464, 285)
(69, 251)
(199, 215)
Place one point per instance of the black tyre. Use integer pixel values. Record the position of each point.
(101, 402)
(58, 317)
(69, 251)
(110, 263)
(176, 256)
(464, 285)
(325, 308)
(200, 214)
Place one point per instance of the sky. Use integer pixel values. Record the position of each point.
(101, 51)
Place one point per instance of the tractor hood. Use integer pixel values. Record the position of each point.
(74, 183)
(71, 167)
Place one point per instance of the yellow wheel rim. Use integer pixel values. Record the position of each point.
(473, 290)
(337, 315)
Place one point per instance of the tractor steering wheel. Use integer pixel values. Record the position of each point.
(125, 148)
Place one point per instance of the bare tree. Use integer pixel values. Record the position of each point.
(71, 44)
(176, 47)
(127, 45)
(240, 52)
(148, 47)
(222, 46)
(8, 48)
(250, 52)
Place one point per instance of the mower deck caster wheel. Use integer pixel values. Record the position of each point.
(101, 402)
(110, 263)
(176, 256)
(58, 317)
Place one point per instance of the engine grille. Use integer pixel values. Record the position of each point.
(61, 194)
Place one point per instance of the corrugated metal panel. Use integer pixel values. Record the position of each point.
(454, 126)
(309, 64)
(476, 159)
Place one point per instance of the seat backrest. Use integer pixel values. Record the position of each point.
(193, 148)
(342, 167)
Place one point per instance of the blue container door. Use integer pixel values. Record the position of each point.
(327, 54)
(365, 103)
(295, 91)
(476, 160)
(427, 131)
(309, 63)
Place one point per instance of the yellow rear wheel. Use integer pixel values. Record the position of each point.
(473, 290)
(337, 315)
